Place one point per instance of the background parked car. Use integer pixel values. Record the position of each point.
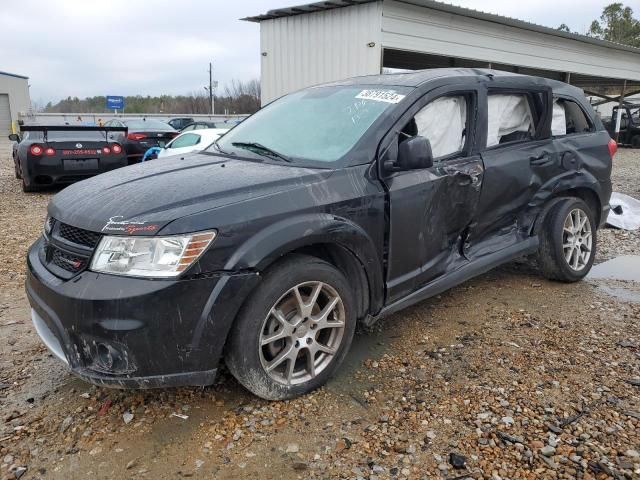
(59, 154)
(629, 125)
(144, 133)
(180, 122)
(202, 124)
(191, 141)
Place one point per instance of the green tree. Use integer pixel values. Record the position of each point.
(617, 24)
(564, 28)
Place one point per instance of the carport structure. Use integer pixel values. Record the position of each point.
(326, 41)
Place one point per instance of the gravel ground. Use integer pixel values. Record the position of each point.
(508, 376)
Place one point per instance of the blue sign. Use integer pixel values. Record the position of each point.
(115, 103)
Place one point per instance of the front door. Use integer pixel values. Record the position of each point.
(430, 209)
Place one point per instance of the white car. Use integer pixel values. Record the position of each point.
(191, 141)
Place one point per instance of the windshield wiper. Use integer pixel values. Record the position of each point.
(217, 147)
(265, 150)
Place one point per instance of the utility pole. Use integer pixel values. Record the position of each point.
(211, 87)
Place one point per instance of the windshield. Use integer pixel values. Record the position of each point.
(318, 124)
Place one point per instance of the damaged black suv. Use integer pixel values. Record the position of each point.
(333, 205)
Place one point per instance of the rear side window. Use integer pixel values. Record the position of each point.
(569, 119)
(509, 119)
(186, 140)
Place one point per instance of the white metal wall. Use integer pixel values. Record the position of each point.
(5, 115)
(17, 90)
(414, 28)
(305, 50)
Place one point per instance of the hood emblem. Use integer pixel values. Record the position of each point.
(78, 145)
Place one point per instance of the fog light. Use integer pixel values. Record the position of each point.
(107, 356)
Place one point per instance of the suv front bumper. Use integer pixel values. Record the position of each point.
(136, 333)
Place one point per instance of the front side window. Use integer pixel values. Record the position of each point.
(186, 140)
(509, 119)
(444, 123)
(318, 124)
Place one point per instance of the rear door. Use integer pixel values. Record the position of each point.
(429, 209)
(519, 157)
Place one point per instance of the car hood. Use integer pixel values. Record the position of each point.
(143, 198)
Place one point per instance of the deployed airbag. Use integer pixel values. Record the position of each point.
(443, 123)
(625, 212)
(559, 120)
(507, 114)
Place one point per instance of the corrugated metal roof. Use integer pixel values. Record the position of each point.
(447, 8)
(13, 75)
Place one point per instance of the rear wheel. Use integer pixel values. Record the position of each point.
(28, 187)
(635, 141)
(294, 331)
(567, 241)
(16, 167)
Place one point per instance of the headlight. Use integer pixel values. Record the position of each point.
(150, 256)
(48, 225)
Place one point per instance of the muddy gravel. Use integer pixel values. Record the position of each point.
(507, 376)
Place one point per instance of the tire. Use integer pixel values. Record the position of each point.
(564, 256)
(635, 141)
(17, 169)
(28, 188)
(265, 367)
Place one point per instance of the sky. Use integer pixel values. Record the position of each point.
(82, 48)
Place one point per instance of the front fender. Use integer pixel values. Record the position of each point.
(287, 235)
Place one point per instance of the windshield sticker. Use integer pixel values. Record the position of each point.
(387, 96)
(116, 224)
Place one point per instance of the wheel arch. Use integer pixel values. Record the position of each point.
(336, 240)
(583, 186)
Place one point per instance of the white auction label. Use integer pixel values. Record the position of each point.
(388, 96)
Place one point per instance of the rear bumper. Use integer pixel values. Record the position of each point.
(129, 332)
(51, 170)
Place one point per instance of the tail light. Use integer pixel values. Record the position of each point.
(50, 152)
(36, 150)
(136, 136)
(613, 147)
(115, 148)
(106, 150)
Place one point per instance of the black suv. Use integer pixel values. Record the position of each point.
(333, 205)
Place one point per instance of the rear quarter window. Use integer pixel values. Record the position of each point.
(569, 118)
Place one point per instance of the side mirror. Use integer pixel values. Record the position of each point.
(414, 154)
(14, 137)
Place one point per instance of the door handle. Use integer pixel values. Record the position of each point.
(539, 159)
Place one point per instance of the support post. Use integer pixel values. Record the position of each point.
(620, 103)
(211, 87)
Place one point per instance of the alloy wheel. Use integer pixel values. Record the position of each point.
(302, 333)
(577, 239)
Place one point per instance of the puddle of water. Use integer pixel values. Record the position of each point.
(621, 293)
(626, 267)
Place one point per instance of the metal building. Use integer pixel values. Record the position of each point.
(331, 40)
(14, 101)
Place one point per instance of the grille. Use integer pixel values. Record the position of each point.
(67, 262)
(79, 236)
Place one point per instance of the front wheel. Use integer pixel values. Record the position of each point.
(295, 330)
(567, 241)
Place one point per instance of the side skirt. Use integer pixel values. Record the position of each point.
(462, 274)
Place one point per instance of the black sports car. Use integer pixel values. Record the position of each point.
(143, 133)
(61, 154)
